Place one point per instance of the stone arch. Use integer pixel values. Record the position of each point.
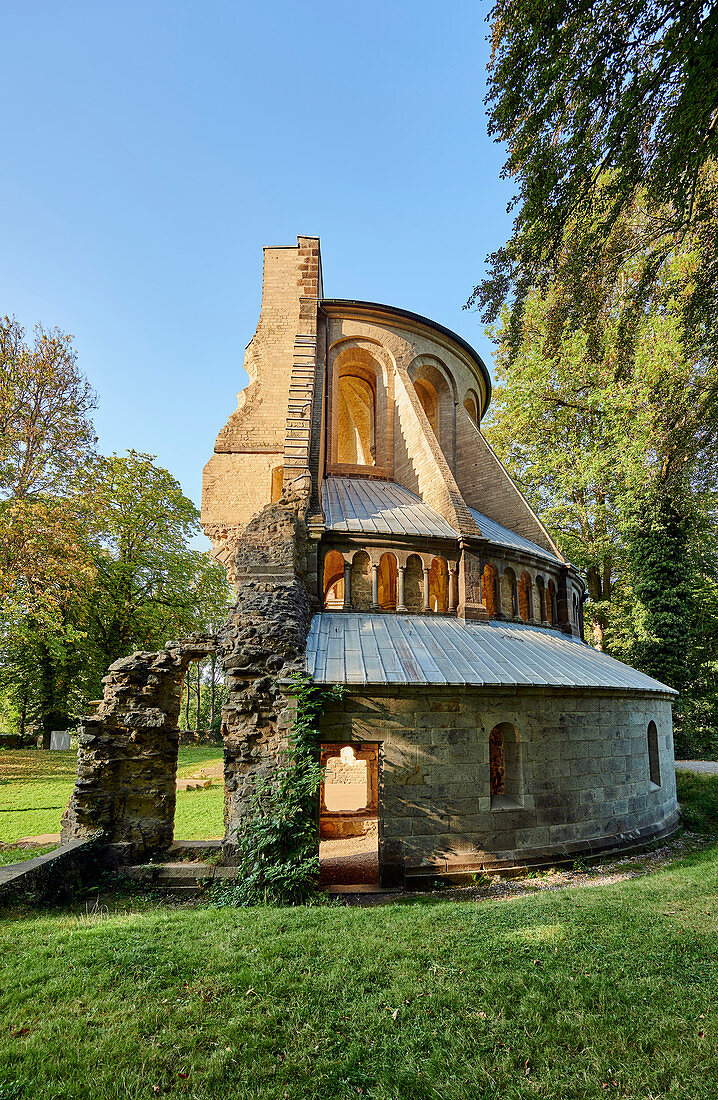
(413, 583)
(525, 601)
(387, 582)
(356, 429)
(654, 759)
(439, 585)
(505, 767)
(361, 409)
(333, 580)
(429, 399)
(551, 614)
(436, 391)
(489, 579)
(509, 594)
(472, 406)
(361, 581)
(541, 592)
(127, 761)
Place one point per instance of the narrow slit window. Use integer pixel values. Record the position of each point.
(654, 761)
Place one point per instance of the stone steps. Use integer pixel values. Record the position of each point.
(187, 876)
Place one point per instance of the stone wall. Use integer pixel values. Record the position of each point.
(337, 772)
(262, 646)
(584, 783)
(127, 761)
(54, 876)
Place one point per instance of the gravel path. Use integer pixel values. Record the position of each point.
(703, 767)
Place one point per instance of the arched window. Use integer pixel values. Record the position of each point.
(413, 583)
(551, 604)
(356, 422)
(505, 767)
(654, 760)
(429, 402)
(277, 483)
(438, 585)
(471, 404)
(361, 581)
(525, 608)
(540, 588)
(437, 397)
(509, 594)
(488, 590)
(334, 579)
(387, 582)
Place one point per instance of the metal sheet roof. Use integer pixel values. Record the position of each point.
(367, 506)
(363, 648)
(496, 532)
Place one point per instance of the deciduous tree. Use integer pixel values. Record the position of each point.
(598, 103)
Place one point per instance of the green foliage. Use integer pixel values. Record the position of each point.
(94, 552)
(203, 715)
(698, 799)
(277, 843)
(659, 548)
(597, 103)
(614, 440)
(149, 585)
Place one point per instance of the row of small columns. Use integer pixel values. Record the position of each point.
(400, 604)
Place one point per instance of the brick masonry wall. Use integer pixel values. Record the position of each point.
(584, 781)
(487, 486)
(237, 479)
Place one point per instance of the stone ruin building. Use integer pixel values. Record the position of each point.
(376, 541)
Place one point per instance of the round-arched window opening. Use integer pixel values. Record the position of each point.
(471, 405)
(505, 767)
(356, 425)
(429, 402)
(333, 580)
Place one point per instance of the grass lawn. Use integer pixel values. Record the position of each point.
(35, 788)
(582, 993)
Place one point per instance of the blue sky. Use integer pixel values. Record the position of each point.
(151, 148)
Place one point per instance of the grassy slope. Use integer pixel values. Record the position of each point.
(607, 991)
(35, 788)
(556, 996)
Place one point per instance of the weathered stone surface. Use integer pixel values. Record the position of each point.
(127, 760)
(572, 794)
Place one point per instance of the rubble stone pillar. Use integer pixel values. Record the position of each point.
(127, 762)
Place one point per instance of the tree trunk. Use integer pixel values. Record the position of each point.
(23, 711)
(199, 680)
(213, 670)
(52, 715)
(186, 698)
